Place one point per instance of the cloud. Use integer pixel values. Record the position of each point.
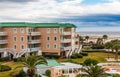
(100, 14)
(16, 0)
(55, 9)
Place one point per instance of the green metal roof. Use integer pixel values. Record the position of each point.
(51, 63)
(28, 24)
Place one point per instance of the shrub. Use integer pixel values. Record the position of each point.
(84, 53)
(89, 61)
(53, 56)
(48, 73)
(76, 55)
(115, 75)
(4, 59)
(21, 74)
(20, 59)
(37, 75)
(4, 68)
(95, 46)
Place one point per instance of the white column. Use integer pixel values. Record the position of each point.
(4, 54)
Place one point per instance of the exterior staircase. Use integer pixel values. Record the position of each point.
(74, 50)
(80, 49)
(67, 55)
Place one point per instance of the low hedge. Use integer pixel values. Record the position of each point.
(20, 59)
(52, 56)
(76, 55)
(4, 68)
(84, 53)
(4, 59)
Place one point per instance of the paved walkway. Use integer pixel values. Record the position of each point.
(112, 59)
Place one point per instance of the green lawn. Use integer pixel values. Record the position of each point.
(99, 56)
(13, 65)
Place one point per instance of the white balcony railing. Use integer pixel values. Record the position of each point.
(34, 33)
(65, 40)
(33, 49)
(3, 41)
(77, 39)
(3, 33)
(66, 48)
(34, 41)
(66, 33)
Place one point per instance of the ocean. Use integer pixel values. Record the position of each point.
(100, 34)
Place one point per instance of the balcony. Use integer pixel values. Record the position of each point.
(3, 41)
(3, 33)
(66, 48)
(77, 39)
(33, 49)
(34, 33)
(66, 41)
(34, 41)
(66, 33)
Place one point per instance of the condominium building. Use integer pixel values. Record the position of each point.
(22, 39)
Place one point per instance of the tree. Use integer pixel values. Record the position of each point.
(99, 41)
(105, 37)
(31, 62)
(81, 39)
(94, 71)
(116, 47)
(108, 46)
(87, 37)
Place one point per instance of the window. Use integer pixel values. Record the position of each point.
(22, 30)
(55, 38)
(15, 39)
(14, 30)
(48, 45)
(48, 30)
(55, 30)
(55, 45)
(22, 39)
(15, 46)
(48, 38)
(22, 46)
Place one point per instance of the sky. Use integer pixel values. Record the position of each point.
(87, 15)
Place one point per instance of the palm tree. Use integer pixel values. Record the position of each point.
(31, 61)
(108, 46)
(116, 47)
(87, 37)
(81, 39)
(94, 71)
(105, 37)
(99, 41)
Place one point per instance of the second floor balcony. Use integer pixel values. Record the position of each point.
(34, 49)
(66, 41)
(66, 48)
(34, 33)
(34, 41)
(3, 33)
(3, 41)
(76, 39)
(66, 33)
